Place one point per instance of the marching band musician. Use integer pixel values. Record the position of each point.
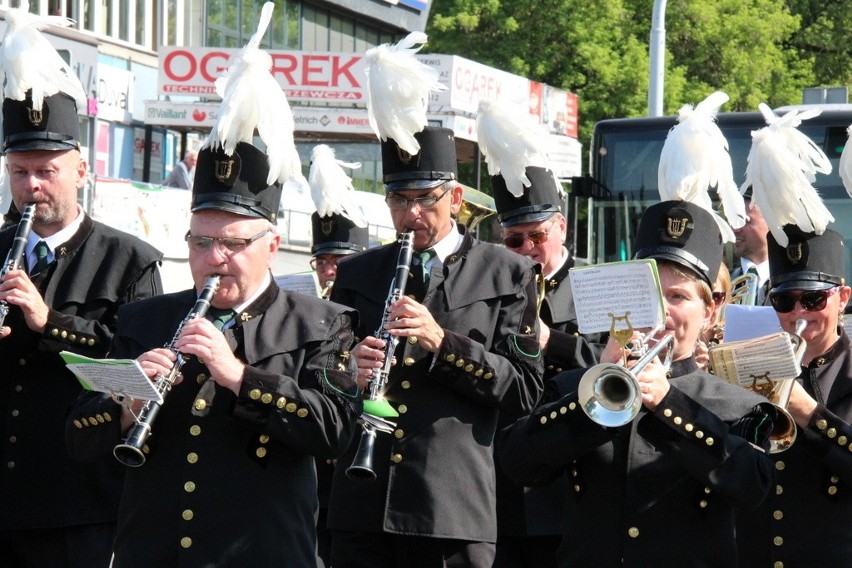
(280, 377)
(229, 477)
(529, 519)
(54, 511)
(337, 232)
(805, 521)
(467, 348)
(662, 489)
(338, 226)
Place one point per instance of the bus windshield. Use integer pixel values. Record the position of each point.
(625, 156)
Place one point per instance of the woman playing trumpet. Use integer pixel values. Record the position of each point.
(660, 490)
(806, 519)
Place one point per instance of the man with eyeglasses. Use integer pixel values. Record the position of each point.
(468, 350)
(805, 521)
(334, 237)
(268, 386)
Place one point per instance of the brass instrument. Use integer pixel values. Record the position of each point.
(475, 207)
(15, 256)
(131, 451)
(326, 291)
(784, 431)
(376, 409)
(744, 290)
(610, 394)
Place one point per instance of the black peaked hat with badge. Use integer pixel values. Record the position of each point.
(41, 93)
(539, 202)
(526, 190)
(683, 233)
(54, 127)
(808, 261)
(433, 165)
(337, 234)
(235, 183)
(231, 174)
(415, 155)
(339, 225)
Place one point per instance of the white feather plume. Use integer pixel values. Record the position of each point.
(782, 166)
(252, 99)
(29, 62)
(398, 87)
(845, 165)
(695, 158)
(331, 188)
(511, 143)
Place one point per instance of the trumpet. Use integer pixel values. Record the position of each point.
(131, 451)
(326, 291)
(16, 253)
(376, 408)
(609, 394)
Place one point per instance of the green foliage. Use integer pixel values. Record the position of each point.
(754, 50)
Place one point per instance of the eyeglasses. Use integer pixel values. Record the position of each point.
(398, 203)
(536, 238)
(323, 263)
(231, 244)
(785, 302)
(719, 296)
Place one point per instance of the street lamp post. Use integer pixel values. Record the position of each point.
(657, 59)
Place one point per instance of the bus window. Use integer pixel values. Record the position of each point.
(625, 156)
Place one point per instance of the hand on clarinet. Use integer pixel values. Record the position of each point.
(18, 290)
(408, 318)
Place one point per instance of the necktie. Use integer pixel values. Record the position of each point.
(424, 258)
(41, 251)
(220, 317)
(418, 283)
(204, 398)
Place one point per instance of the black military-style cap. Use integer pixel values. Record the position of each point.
(432, 166)
(235, 183)
(808, 262)
(540, 200)
(683, 233)
(55, 127)
(337, 234)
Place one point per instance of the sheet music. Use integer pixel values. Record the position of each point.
(760, 359)
(118, 377)
(617, 288)
(749, 322)
(303, 283)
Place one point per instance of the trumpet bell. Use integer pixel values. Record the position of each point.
(609, 395)
(784, 432)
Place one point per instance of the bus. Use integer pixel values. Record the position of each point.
(622, 182)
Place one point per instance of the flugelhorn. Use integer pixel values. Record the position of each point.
(131, 451)
(609, 394)
(784, 430)
(376, 408)
(15, 256)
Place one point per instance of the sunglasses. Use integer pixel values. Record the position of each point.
(785, 302)
(719, 296)
(536, 238)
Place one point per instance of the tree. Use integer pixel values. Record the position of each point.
(754, 50)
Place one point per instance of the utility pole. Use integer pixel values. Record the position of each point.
(657, 59)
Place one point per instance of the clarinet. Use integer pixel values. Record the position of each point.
(131, 451)
(376, 408)
(16, 254)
